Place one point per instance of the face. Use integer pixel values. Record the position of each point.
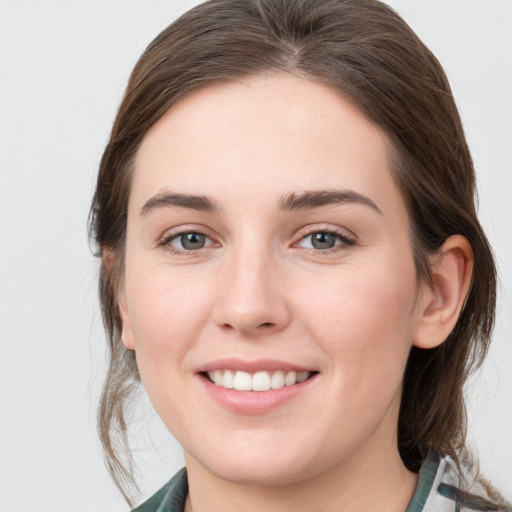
(270, 292)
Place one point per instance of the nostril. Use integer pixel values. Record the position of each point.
(266, 326)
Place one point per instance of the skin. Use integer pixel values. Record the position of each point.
(260, 289)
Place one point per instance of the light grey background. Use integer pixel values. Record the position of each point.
(63, 68)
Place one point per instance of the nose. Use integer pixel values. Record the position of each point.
(253, 300)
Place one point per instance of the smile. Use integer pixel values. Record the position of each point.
(257, 381)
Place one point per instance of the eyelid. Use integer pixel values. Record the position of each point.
(346, 236)
(325, 228)
(171, 234)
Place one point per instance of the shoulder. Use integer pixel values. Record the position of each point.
(170, 498)
(444, 487)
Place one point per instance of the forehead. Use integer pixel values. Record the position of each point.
(266, 135)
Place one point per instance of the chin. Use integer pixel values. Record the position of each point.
(256, 466)
(268, 474)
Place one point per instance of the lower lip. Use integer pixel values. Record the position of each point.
(255, 402)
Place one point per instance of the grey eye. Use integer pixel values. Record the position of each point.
(323, 240)
(190, 241)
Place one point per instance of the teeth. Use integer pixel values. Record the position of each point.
(243, 381)
(217, 377)
(290, 379)
(258, 381)
(277, 380)
(261, 381)
(302, 376)
(228, 380)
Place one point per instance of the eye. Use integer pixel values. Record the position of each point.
(324, 240)
(188, 241)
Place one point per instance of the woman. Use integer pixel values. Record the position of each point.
(292, 264)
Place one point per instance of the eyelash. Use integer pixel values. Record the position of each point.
(342, 237)
(166, 241)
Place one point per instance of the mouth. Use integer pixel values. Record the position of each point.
(257, 381)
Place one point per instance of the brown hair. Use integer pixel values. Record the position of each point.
(363, 49)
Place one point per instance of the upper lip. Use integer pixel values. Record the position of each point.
(252, 366)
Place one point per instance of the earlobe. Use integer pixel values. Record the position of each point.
(443, 299)
(108, 257)
(127, 333)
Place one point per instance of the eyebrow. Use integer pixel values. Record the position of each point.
(168, 199)
(317, 198)
(291, 202)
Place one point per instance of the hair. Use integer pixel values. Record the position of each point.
(364, 50)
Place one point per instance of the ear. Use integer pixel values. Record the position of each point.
(111, 263)
(127, 334)
(442, 300)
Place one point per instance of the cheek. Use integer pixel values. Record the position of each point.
(167, 315)
(364, 318)
(166, 312)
